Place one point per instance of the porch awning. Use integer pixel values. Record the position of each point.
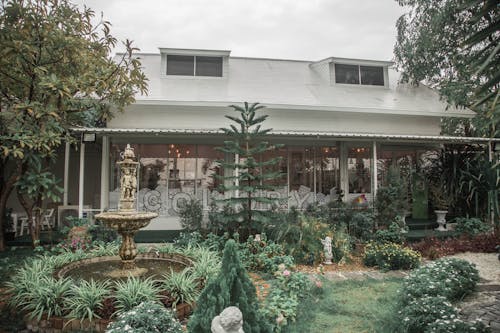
(309, 134)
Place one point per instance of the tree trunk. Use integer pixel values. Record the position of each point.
(4, 196)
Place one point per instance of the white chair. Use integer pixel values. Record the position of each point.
(47, 219)
(24, 225)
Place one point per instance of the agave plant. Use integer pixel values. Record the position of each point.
(182, 286)
(86, 298)
(133, 292)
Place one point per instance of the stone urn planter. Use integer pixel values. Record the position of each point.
(441, 219)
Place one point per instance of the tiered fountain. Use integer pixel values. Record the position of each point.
(126, 221)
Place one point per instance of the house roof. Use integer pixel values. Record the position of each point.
(290, 84)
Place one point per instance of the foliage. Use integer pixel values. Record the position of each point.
(264, 255)
(393, 234)
(428, 291)
(390, 256)
(56, 73)
(250, 176)
(433, 248)
(289, 289)
(134, 291)
(191, 215)
(8, 221)
(470, 226)
(303, 240)
(457, 325)
(391, 200)
(85, 299)
(206, 266)
(145, 318)
(420, 312)
(101, 234)
(231, 287)
(181, 286)
(452, 46)
(360, 225)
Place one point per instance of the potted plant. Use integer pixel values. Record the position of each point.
(8, 225)
(440, 202)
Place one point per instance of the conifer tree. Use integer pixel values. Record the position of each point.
(232, 287)
(248, 177)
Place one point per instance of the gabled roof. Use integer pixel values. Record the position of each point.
(290, 84)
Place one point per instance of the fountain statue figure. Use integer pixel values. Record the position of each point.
(127, 221)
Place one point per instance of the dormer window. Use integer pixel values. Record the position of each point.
(186, 65)
(357, 74)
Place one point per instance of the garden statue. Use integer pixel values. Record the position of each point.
(230, 320)
(327, 247)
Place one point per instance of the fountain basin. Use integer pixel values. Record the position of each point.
(109, 267)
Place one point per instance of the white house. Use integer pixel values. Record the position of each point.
(342, 122)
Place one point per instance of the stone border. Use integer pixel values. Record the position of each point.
(171, 257)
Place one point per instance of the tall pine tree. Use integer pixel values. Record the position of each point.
(232, 287)
(248, 177)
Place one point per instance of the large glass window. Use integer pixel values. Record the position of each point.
(359, 169)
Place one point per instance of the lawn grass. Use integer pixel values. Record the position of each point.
(350, 306)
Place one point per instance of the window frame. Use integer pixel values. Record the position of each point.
(194, 75)
(334, 76)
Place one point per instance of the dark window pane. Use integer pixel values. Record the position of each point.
(180, 65)
(371, 75)
(209, 66)
(346, 74)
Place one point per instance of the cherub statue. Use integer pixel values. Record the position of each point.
(327, 247)
(229, 321)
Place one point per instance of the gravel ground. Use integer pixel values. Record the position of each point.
(487, 264)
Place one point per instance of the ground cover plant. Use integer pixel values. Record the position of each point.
(390, 256)
(427, 295)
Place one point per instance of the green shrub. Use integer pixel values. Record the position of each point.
(147, 317)
(445, 325)
(391, 200)
(360, 225)
(85, 299)
(390, 256)
(470, 226)
(393, 234)
(449, 277)
(191, 215)
(134, 291)
(420, 312)
(232, 287)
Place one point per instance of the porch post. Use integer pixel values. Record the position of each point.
(105, 173)
(80, 183)
(344, 180)
(66, 172)
(374, 170)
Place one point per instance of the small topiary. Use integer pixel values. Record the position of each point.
(232, 287)
(147, 317)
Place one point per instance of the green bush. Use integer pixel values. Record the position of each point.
(393, 234)
(449, 277)
(420, 312)
(390, 256)
(391, 200)
(445, 325)
(191, 215)
(361, 224)
(181, 286)
(147, 317)
(470, 226)
(85, 299)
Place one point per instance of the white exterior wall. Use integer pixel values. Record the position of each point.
(184, 117)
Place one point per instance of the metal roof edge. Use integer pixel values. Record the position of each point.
(345, 135)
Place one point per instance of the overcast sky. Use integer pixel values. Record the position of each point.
(286, 29)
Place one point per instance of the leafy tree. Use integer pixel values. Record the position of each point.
(248, 177)
(453, 46)
(232, 287)
(55, 73)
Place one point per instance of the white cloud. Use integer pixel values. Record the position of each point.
(300, 29)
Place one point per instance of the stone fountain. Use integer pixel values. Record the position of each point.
(127, 220)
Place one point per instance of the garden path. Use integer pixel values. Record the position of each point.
(485, 304)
